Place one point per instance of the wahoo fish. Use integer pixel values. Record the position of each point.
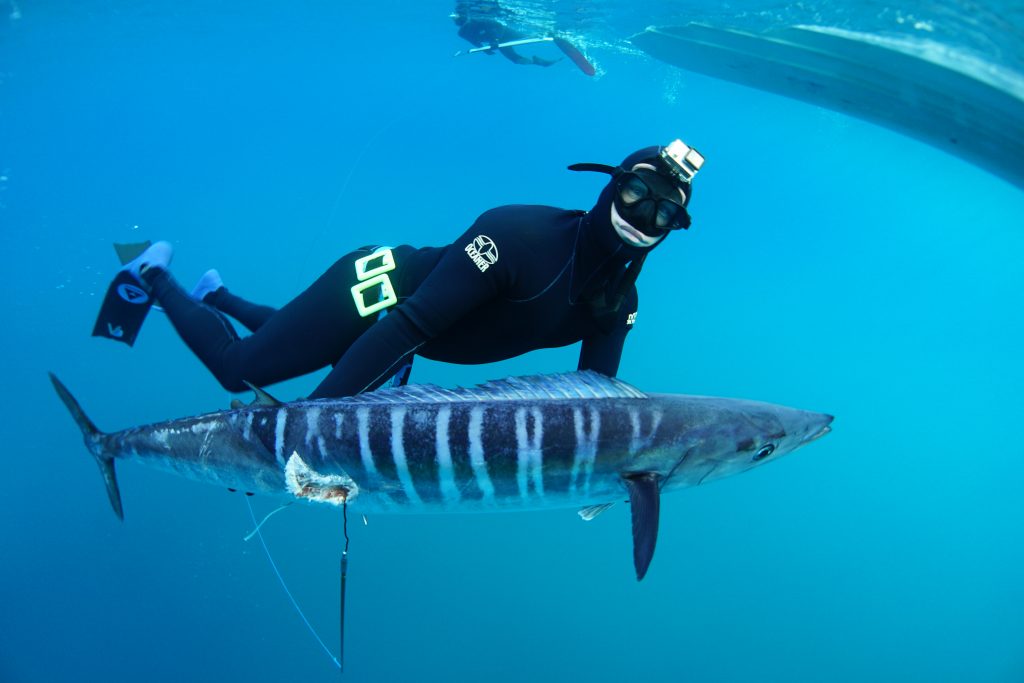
(571, 440)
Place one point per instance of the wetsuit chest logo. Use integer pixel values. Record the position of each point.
(483, 252)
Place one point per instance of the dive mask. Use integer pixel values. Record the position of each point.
(650, 199)
(649, 202)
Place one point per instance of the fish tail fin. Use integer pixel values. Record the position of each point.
(95, 443)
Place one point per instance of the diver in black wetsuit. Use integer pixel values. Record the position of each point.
(477, 24)
(521, 278)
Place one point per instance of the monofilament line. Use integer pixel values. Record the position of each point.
(285, 586)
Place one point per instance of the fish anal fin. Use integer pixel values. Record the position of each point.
(591, 511)
(645, 503)
(262, 397)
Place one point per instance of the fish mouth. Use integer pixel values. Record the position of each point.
(825, 429)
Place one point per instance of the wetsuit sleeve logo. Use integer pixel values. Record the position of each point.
(483, 252)
(631, 319)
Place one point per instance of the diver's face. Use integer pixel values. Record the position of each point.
(629, 234)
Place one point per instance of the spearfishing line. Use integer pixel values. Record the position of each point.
(288, 592)
(344, 580)
(263, 521)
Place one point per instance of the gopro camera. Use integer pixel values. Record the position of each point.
(683, 161)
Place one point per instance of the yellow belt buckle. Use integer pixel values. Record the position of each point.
(372, 277)
(387, 264)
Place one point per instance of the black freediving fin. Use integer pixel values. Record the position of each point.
(126, 253)
(645, 501)
(126, 302)
(262, 397)
(576, 56)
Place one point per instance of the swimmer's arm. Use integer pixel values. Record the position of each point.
(373, 358)
(602, 352)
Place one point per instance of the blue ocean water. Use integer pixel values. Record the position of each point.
(833, 265)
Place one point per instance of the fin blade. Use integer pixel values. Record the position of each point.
(576, 56)
(645, 502)
(94, 442)
(128, 252)
(123, 310)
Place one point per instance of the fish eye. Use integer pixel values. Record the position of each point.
(763, 452)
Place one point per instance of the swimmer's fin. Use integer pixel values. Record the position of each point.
(645, 500)
(576, 56)
(124, 309)
(126, 302)
(126, 253)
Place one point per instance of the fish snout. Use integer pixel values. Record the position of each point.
(822, 430)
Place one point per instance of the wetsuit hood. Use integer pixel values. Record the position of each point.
(597, 224)
(601, 275)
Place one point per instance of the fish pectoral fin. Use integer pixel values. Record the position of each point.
(645, 503)
(588, 513)
(262, 397)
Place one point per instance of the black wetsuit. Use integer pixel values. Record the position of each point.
(534, 295)
(521, 278)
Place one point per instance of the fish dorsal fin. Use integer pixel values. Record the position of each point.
(645, 501)
(262, 397)
(591, 511)
(568, 385)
